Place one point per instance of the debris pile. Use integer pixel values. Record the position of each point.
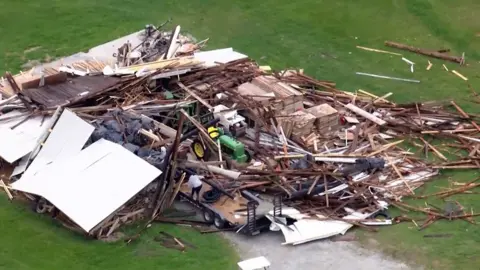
(133, 121)
(132, 132)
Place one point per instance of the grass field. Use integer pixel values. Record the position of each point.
(31, 241)
(319, 36)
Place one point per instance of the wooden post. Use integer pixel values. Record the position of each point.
(168, 170)
(434, 54)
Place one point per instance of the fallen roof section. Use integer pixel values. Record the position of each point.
(19, 133)
(66, 139)
(93, 184)
(70, 92)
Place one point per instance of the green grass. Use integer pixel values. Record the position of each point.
(34, 241)
(406, 242)
(319, 36)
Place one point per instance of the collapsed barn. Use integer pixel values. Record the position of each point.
(109, 137)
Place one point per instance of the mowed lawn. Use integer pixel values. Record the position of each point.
(319, 36)
(35, 242)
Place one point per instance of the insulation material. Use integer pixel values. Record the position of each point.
(92, 184)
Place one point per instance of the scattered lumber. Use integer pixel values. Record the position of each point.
(330, 155)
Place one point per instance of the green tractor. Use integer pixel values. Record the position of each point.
(230, 146)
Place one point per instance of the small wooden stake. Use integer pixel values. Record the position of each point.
(429, 65)
(440, 155)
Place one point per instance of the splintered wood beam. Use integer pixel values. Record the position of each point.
(201, 100)
(384, 147)
(395, 168)
(313, 185)
(365, 114)
(434, 54)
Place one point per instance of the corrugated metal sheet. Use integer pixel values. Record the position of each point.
(70, 92)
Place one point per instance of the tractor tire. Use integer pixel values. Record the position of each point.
(208, 216)
(211, 196)
(200, 151)
(382, 215)
(249, 156)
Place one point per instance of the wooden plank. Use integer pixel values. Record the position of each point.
(351, 120)
(172, 43)
(149, 134)
(459, 75)
(365, 114)
(201, 100)
(47, 80)
(397, 171)
(113, 227)
(7, 191)
(378, 51)
(464, 114)
(177, 189)
(200, 128)
(440, 155)
(382, 98)
(375, 97)
(469, 138)
(384, 147)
